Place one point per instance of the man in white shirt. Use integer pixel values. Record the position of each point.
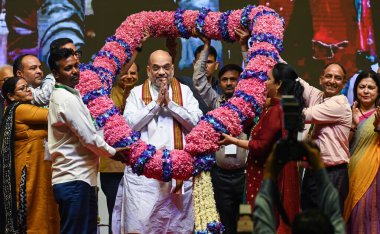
(164, 111)
(74, 146)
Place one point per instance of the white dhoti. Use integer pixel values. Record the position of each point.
(148, 206)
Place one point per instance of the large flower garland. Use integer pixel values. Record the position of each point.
(96, 80)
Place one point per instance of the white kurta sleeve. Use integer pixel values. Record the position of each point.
(187, 115)
(136, 113)
(41, 95)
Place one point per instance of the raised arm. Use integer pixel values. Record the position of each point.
(41, 95)
(138, 49)
(243, 36)
(204, 88)
(331, 110)
(31, 114)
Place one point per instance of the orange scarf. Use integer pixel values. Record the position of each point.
(177, 98)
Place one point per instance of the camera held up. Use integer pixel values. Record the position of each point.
(289, 148)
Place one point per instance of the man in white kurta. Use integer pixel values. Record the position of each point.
(146, 205)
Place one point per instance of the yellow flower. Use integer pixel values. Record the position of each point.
(204, 203)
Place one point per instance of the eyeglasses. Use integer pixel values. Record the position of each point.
(78, 53)
(23, 88)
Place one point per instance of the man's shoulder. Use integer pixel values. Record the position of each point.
(341, 100)
(137, 89)
(60, 96)
(62, 91)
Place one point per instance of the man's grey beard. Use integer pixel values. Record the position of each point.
(168, 80)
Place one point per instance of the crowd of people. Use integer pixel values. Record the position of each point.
(51, 151)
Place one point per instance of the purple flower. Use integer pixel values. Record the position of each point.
(223, 26)
(250, 99)
(200, 21)
(267, 37)
(178, 21)
(138, 168)
(244, 21)
(217, 125)
(166, 166)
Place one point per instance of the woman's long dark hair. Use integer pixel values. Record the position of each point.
(290, 86)
(367, 74)
(9, 86)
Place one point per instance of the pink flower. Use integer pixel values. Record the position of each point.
(117, 50)
(211, 27)
(229, 119)
(234, 23)
(100, 105)
(253, 87)
(202, 139)
(262, 46)
(116, 129)
(189, 18)
(153, 168)
(243, 106)
(182, 164)
(263, 8)
(255, 11)
(261, 63)
(136, 150)
(162, 25)
(106, 63)
(131, 30)
(269, 24)
(88, 82)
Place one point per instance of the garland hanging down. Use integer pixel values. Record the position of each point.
(96, 79)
